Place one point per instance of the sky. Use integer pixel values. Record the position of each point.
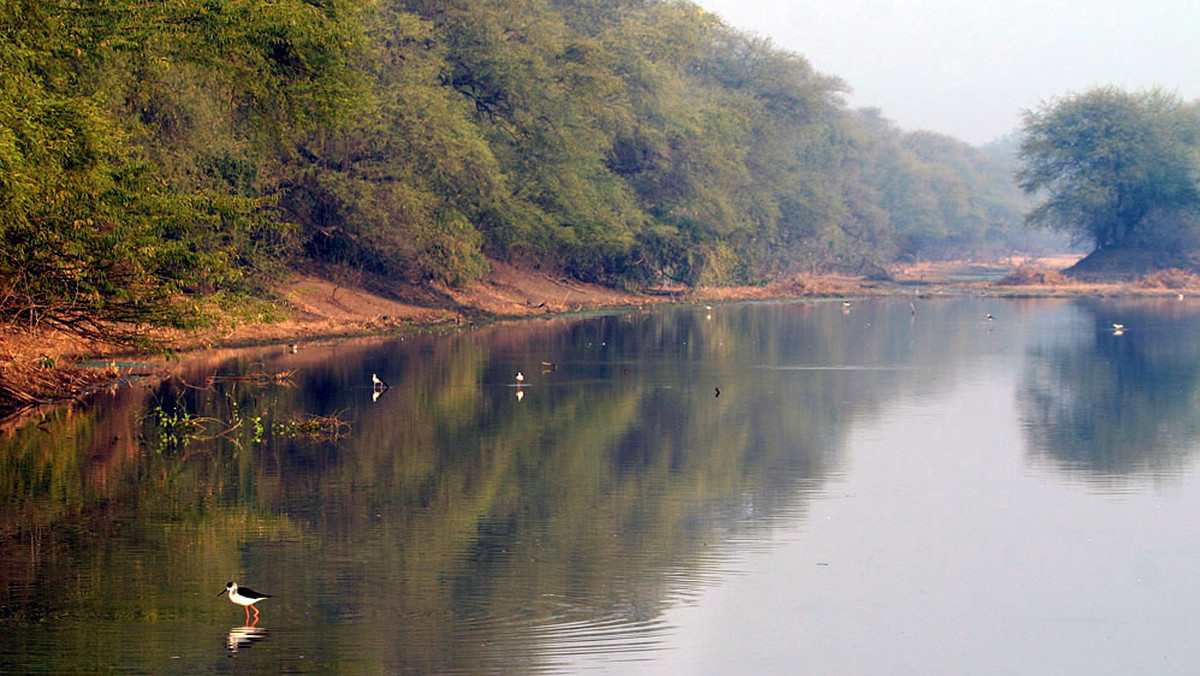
(967, 68)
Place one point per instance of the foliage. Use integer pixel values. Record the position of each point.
(110, 153)
(1118, 168)
(153, 153)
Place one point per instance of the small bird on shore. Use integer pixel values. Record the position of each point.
(245, 597)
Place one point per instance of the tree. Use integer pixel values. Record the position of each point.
(1111, 165)
(133, 141)
(157, 158)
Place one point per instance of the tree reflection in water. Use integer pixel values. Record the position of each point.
(458, 528)
(1105, 405)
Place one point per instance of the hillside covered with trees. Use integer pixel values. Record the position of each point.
(158, 158)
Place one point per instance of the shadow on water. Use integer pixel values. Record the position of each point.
(462, 524)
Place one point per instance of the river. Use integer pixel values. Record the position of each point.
(901, 486)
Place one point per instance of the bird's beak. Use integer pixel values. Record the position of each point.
(222, 591)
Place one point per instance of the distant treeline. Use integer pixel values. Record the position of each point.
(158, 151)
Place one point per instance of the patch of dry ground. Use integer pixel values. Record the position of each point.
(956, 272)
(319, 307)
(509, 291)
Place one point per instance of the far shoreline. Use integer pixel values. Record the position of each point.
(41, 372)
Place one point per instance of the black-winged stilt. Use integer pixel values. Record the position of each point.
(245, 597)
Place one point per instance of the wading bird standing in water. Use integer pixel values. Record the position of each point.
(245, 597)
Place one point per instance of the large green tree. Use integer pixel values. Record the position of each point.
(133, 142)
(1113, 166)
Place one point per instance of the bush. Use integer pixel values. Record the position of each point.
(1172, 278)
(1027, 276)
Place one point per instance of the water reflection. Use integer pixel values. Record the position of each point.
(244, 637)
(473, 523)
(1109, 404)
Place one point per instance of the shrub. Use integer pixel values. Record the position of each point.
(1026, 276)
(1172, 278)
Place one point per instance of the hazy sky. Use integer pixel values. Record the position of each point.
(967, 68)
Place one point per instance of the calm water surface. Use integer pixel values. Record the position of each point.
(873, 491)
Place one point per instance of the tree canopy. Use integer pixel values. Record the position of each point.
(1120, 169)
(155, 157)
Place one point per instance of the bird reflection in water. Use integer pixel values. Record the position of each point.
(378, 387)
(244, 637)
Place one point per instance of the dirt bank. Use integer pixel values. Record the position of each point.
(39, 369)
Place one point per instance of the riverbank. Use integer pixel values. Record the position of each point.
(45, 369)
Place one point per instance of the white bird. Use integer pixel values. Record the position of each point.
(377, 383)
(520, 377)
(1118, 326)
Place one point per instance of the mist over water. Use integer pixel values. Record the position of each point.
(958, 494)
